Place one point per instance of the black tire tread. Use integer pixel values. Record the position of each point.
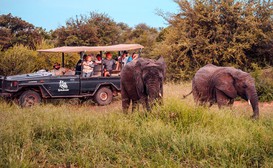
(26, 94)
(102, 102)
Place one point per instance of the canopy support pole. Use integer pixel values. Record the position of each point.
(101, 54)
(62, 59)
(139, 52)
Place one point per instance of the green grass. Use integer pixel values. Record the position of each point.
(178, 134)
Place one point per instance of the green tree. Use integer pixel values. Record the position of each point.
(94, 29)
(14, 30)
(124, 32)
(222, 32)
(144, 35)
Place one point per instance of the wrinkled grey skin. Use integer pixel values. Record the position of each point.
(212, 84)
(142, 82)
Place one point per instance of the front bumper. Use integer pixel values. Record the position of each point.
(5, 95)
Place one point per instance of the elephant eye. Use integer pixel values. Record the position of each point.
(244, 86)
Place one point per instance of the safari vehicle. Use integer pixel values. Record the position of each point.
(30, 89)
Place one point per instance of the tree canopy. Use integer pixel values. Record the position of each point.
(14, 31)
(224, 32)
(95, 29)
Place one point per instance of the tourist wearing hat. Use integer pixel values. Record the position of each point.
(58, 70)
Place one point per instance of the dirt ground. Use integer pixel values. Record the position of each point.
(266, 108)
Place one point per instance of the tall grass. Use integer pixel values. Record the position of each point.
(177, 134)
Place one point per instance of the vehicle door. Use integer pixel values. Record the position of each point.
(88, 85)
(64, 85)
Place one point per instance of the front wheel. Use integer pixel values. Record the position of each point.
(103, 96)
(29, 98)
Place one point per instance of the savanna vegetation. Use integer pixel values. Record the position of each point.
(177, 134)
(225, 33)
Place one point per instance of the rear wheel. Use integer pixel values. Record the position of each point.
(103, 96)
(29, 98)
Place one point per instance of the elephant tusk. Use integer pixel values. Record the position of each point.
(249, 102)
(160, 95)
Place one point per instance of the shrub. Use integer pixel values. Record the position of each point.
(18, 60)
(264, 83)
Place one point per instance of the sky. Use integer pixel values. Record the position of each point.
(51, 14)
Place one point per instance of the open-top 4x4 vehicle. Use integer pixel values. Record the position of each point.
(30, 89)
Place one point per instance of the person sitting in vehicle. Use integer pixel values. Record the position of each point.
(109, 63)
(58, 70)
(78, 67)
(123, 59)
(88, 66)
(98, 66)
(98, 59)
(133, 57)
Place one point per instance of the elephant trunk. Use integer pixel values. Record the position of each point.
(154, 93)
(253, 99)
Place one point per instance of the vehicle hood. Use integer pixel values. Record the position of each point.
(38, 74)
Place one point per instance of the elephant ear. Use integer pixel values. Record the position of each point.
(224, 82)
(162, 64)
(138, 78)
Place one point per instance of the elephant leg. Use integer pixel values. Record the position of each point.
(135, 105)
(230, 103)
(125, 105)
(125, 101)
(195, 97)
(145, 104)
(222, 99)
(148, 107)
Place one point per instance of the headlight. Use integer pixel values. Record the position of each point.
(10, 85)
(14, 84)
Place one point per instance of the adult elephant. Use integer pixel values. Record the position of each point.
(212, 84)
(142, 82)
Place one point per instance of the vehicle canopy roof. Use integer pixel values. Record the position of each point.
(73, 49)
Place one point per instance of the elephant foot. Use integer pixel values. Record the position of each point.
(125, 111)
(255, 116)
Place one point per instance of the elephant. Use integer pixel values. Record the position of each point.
(213, 84)
(142, 82)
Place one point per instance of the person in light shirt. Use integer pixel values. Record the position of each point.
(88, 66)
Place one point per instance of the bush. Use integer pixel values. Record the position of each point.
(18, 60)
(264, 83)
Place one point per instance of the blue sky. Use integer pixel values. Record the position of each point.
(51, 14)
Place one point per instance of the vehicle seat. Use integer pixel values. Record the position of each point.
(97, 70)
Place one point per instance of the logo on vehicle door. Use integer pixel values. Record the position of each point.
(63, 86)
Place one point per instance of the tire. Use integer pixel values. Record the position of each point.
(103, 96)
(29, 98)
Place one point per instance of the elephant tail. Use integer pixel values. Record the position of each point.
(184, 96)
